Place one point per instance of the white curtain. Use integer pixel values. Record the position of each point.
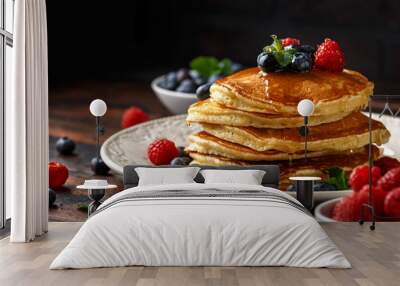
(27, 123)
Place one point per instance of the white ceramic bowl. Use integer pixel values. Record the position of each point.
(176, 102)
(323, 211)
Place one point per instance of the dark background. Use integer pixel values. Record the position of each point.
(137, 40)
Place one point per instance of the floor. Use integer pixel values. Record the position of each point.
(375, 257)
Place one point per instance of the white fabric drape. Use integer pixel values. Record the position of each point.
(27, 123)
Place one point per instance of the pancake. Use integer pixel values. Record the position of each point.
(348, 133)
(204, 143)
(209, 111)
(280, 92)
(313, 166)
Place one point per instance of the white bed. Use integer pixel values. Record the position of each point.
(221, 225)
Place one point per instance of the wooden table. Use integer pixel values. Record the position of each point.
(69, 116)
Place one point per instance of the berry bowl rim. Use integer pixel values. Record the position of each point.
(157, 89)
(323, 210)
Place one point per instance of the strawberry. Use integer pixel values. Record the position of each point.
(58, 174)
(290, 41)
(133, 116)
(392, 203)
(329, 56)
(360, 176)
(162, 151)
(390, 180)
(378, 198)
(386, 164)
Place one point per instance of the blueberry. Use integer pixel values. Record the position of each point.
(199, 81)
(302, 131)
(322, 186)
(170, 81)
(52, 197)
(291, 188)
(301, 62)
(214, 78)
(267, 62)
(182, 152)
(181, 161)
(236, 67)
(194, 74)
(99, 167)
(294, 46)
(65, 146)
(203, 91)
(182, 74)
(187, 86)
(306, 49)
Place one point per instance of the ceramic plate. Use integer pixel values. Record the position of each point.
(128, 146)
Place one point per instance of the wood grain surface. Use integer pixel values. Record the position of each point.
(374, 255)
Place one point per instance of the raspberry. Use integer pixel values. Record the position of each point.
(329, 56)
(386, 164)
(360, 177)
(390, 180)
(133, 116)
(58, 175)
(392, 203)
(162, 151)
(378, 198)
(347, 209)
(290, 41)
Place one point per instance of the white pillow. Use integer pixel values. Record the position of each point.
(164, 176)
(248, 177)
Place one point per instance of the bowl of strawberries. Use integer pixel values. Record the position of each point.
(385, 194)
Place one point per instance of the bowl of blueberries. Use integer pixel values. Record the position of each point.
(177, 90)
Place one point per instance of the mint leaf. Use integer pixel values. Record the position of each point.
(82, 207)
(225, 66)
(282, 56)
(205, 66)
(337, 177)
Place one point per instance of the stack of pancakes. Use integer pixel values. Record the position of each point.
(252, 118)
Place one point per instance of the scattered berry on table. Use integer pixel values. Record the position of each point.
(360, 177)
(329, 56)
(392, 203)
(162, 151)
(301, 62)
(386, 164)
(65, 146)
(132, 116)
(52, 197)
(181, 161)
(58, 174)
(99, 167)
(390, 180)
(290, 41)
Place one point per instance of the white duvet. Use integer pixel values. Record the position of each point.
(190, 231)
